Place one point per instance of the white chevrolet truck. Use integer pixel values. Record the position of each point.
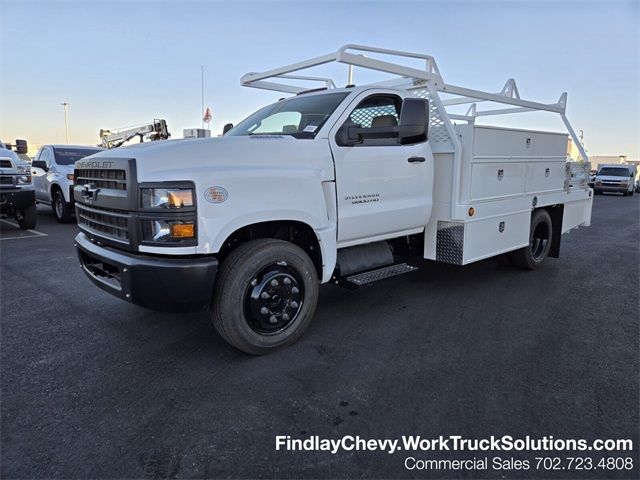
(17, 195)
(344, 185)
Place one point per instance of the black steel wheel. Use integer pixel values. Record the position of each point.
(533, 256)
(273, 300)
(266, 295)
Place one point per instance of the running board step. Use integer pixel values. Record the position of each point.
(372, 276)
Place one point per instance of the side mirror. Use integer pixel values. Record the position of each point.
(414, 120)
(343, 139)
(40, 164)
(226, 128)
(21, 146)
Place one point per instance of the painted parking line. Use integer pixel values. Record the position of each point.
(34, 233)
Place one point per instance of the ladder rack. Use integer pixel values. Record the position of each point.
(426, 83)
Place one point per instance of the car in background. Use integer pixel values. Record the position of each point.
(615, 179)
(52, 170)
(17, 198)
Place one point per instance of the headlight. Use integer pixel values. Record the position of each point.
(23, 179)
(167, 231)
(70, 176)
(167, 197)
(23, 169)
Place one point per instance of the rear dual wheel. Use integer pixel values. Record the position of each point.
(266, 295)
(533, 256)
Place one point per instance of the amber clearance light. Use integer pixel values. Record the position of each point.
(182, 230)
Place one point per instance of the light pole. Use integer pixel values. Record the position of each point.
(66, 123)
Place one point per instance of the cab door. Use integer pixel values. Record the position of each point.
(383, 188)
(40, 175)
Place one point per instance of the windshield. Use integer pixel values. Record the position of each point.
(69, 156)
(300, 117)
(614, 172)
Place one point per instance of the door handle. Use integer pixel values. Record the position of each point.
(416, 159)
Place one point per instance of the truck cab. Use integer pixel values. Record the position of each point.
(343, 185)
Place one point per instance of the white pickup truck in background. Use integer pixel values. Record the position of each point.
(52, 170)
(17, 198)
(344, 185)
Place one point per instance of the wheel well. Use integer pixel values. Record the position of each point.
(54, 188)
(555, 212)
(298, 233)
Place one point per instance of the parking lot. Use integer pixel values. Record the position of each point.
(95, 387)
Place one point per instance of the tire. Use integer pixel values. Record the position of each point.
(60, 207)
(27, 217)
(265, 297)
(533, 255)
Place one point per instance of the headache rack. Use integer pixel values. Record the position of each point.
(425, 83)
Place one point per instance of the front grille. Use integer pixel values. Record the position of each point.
(109, 223)
(6, 180)
(102, 178)
(5, 164)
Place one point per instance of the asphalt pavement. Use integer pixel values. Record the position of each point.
(93, 387)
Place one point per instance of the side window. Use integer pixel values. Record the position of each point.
(45, 156)
(376, 111)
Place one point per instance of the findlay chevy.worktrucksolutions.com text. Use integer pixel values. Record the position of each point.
(456, 443)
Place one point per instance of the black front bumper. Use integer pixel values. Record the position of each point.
(16, 199)
(158, 283)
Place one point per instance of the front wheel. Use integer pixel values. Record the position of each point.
(27, 217)
(265, 297)
(60, 208)
(533, 256)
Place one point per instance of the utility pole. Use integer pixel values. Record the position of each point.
(202, 94)
(66, 122)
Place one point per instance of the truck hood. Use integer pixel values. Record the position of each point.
(13, 156)
(185, 159)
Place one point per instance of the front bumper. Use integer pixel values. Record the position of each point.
(610, 188)
(158, 283)
(16, 199)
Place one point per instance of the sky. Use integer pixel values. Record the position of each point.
(119, 64)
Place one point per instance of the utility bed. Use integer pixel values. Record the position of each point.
(504, 173)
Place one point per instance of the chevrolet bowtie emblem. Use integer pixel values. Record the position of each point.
(89, 192)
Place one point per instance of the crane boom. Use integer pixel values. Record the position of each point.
(153, 131)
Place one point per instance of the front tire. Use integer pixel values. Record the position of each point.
(61, 208)
(266, 295)
(533, 255)
(27, 217)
